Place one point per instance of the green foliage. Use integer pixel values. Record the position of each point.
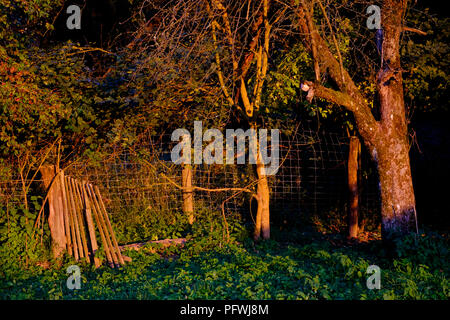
(426, 61)
(335, 220)
(210, 268)
(284, 101)
(45, 96)
(149, 224)
(24, 20)
(427, 248)
(29, 114)
(283, 86)
(18, 247)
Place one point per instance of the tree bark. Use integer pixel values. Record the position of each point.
(257, 49)
(386, 139)
(257, 230)
(392, 149)
(262, 227)
(397, 193)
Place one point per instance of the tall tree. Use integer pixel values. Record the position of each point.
(385, 138)
(231, 40)
(255, 50)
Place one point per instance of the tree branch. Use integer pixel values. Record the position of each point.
(349, 95)
(337, 97)
(423, 33)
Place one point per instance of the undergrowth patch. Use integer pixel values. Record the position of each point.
(208, 267)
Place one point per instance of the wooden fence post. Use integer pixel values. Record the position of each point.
(188, 195)
(52, 184)
(353, 155)
(65, 212)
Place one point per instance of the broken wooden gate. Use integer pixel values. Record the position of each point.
(77, 214)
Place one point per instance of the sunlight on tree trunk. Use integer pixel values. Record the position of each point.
(263, 194)
(386, 139)
(256, 51)
(397, 193)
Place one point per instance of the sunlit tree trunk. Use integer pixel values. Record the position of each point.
(386, 139)
(263, 194)
(247, 102)
(397, 193)
(392, 148)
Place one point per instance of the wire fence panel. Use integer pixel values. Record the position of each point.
(312, 177)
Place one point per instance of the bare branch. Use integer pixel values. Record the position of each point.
(423, 33)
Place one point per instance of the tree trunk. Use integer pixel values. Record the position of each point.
(263, 203)
(392, 149)
(397, 193)
(387, 139)
(353, 156)
(257, 231)
(263, 195)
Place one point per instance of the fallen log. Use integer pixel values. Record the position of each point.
(165, 243)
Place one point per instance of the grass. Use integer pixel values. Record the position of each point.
(297, 264)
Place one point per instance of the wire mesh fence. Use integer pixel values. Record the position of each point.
(312, 177)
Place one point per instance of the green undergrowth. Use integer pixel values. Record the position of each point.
(306, 265)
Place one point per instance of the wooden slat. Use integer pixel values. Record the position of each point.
(80, 217)
(83, 204)
(112, 260)
(65, 213)
(89, 221)
(108, 223)
(75, 223)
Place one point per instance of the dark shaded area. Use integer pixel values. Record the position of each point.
(101, 22)
(430, 159)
